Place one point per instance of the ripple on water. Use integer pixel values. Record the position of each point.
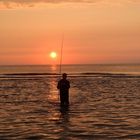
(100, 108)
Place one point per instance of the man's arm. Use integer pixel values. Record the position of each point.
(68, 84)
(58, 85)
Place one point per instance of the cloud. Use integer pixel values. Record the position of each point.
(8, 3)
(31, 3)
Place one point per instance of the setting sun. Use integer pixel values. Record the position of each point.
(53, 55)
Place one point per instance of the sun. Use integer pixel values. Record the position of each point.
(53, 55)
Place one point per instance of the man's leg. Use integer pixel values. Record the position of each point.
(67, 99)
(62, 100)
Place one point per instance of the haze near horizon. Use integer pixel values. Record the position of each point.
(95, 32)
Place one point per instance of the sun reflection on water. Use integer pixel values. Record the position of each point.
(53, 92)
(53, 68)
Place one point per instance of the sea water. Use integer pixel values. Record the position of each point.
(104, 102)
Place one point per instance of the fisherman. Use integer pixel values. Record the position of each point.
(64, 85)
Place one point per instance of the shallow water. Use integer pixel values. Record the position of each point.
(101, 107)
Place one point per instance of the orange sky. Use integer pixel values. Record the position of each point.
(95, 32)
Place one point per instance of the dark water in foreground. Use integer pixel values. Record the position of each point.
(102, 107)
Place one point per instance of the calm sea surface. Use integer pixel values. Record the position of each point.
(104, 103)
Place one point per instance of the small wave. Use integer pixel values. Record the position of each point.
(35, 137)
(28, 74)
(134, 136)
(55, 75)
(23, 101)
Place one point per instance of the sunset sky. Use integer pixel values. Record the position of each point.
(95, 31)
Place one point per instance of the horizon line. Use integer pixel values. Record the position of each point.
(70, 64)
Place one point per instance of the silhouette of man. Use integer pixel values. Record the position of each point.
(64, 85)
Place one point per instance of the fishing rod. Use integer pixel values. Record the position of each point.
(61, 54)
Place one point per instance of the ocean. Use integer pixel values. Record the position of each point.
(104, 103)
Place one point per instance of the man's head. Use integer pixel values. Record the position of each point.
(64, 75)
